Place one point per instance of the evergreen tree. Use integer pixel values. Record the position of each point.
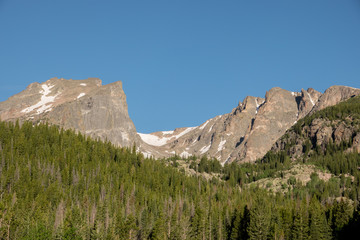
(159, 230)
(235, 225)
(69, 230)
(198, 224)
(300, 228)
(319, 228)
(244, 223)
(260, 215)
(341, 215)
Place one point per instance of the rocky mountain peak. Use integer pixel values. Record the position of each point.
(249, 104)
(245, 134)
(335, 94)
(249, 130)
(84, 105)
(307, 101)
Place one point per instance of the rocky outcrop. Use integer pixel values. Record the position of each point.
(245, 134)
(279, 112)
(307, 101)
(216, 137)
(83, 105)
(333, 95)
(253, 127)
(356, 143)
(318, 135)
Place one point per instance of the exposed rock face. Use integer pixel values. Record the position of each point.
(319, 133)
(216, 137)
(83, 105)
(356, 143)
(308, 100)
(333, 95)
(245, 134)
(253, 127)
(279, 112)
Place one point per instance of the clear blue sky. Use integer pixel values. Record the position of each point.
(181, 62)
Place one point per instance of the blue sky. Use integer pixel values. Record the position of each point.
(181, 62)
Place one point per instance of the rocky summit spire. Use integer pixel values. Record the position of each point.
(84, 105)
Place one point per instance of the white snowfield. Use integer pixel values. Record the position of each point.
(221, 145)
(204, 124)
(80, 95)
(43, 105)
(167, 132)
(83, 84)
(185, 154)
(160, 141)
(205, 149)
(211, 128)
(257, 106)
(312, 102)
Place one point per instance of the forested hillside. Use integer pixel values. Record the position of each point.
(57, 184)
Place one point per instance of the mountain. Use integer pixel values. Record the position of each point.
(245, 134)
(249, 131)
(84, 105)
(57, 184)
(333, 129)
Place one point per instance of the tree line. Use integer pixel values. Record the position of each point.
(58, 184)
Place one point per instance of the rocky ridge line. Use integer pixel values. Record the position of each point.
(84, 105)
(244, 135)
(250, 130)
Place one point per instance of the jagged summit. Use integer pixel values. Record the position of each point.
(334, 95)
(84, 105)
(251, 128)
(245, 134)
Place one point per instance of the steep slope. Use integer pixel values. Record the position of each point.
(56, 184)
(333, 129)
(251, 129)
(83, 105)
(245, 134)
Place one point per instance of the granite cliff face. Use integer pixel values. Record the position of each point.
(250, 130)
(243, 135)
(83, 105)
(336, 128)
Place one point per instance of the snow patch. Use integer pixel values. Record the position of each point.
(185, 132)
(223, 163)
(211, 128)
(185, 154)
(80, 95)
(257, 106)
(204, 149)
(204, 125)
(152, 139)
(312, 102)
(83, 84)
(159, 141)
(147, 154)
(44, 104)
(221, 145)
(167, 132)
